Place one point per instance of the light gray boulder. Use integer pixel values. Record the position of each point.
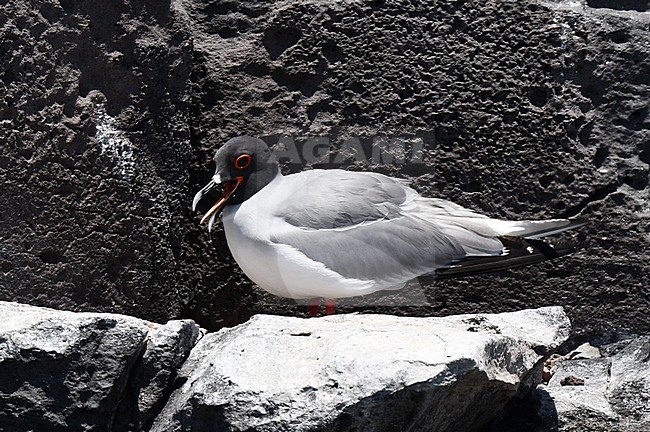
(361, 372)
(152, 377)
(615, 395)
(591, 389)
(629, 385)
(581, 386)
(584, 351)
(65, 371)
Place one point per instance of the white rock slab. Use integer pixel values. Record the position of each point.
(361, 372)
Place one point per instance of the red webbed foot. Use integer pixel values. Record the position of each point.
(314, 305)
(330, 305)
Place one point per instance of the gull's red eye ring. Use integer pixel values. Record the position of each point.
(242, 161)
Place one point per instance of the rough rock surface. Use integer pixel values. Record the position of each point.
(63, 371)
(95, 144)
(151, 378)
(598, 394)
(109, 112)
(616, 393)
(361, 372)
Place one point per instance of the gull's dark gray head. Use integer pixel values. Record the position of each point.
(244, 165)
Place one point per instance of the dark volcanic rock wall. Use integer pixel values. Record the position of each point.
(526, 109)
(95, 143)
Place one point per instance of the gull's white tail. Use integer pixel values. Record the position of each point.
(532, 229)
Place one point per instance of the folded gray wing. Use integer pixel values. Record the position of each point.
(390, 251)
(328, 199)
(358, 224)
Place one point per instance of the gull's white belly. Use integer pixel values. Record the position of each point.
(278, 268)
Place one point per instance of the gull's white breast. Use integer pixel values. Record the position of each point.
(279, 268)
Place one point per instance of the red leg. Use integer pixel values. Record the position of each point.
(314, 305)
(330, 304)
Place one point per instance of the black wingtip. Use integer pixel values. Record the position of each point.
(522, 252)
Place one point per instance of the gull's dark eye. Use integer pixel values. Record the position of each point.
(242, 161)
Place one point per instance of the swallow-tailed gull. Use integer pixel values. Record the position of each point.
(333, 233)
